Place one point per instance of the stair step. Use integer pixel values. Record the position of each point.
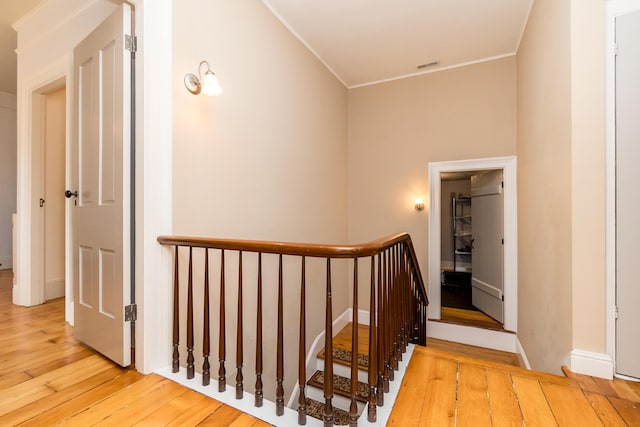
(315, 409)
(343, 357)
(341, 386)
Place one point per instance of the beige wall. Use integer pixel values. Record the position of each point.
(544, 186)
(7, 175)
(561, 197)
(266, 160)
(54, 183)
(397, 128)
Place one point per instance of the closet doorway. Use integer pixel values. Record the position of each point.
(472, 259)
(489, 293)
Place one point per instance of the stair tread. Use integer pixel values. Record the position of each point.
(343, 357)
(315, 409)
(341, 386)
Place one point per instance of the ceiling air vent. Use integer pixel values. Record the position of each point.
(430, 64)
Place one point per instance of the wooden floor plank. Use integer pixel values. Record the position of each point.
(586, 382)
(244, 420)
(221, 417)
(141, 406)
(172, 409)
(27, 412)
(83, 401)
(474, 351)
(569, 405)
(624, 390)
(198, 412)
(605, 411)
(408, 410)
(473, 402)
(439, 405)
(505, 410)
(533, 403)
(122, 398)
(629, 411)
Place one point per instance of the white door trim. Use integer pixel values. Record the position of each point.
(613, 9)
(508, 165)
(29, 288)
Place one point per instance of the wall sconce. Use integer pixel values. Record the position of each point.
(207, 83)
(419, 204)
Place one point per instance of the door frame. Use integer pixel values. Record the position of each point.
(508, 165)
(154, 87)
(613, 9)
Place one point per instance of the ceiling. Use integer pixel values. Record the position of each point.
(368, 41)
(10, 12)
(365, 41)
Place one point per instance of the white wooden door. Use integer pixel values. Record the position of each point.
(627, 200)
(487, 212)
(101, 168)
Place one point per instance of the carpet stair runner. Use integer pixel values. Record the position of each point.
(341, 387)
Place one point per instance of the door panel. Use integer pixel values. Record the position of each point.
(101, 159)
(487, 272)
(627, 202)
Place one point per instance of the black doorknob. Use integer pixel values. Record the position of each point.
(68, 194)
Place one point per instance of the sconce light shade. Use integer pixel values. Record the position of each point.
(419, 204)
(207, 84)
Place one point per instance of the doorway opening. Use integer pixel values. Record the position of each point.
(507, 165)
(471, 255)
(53, 187)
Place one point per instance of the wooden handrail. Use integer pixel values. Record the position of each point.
(397, 316)
(312, 250)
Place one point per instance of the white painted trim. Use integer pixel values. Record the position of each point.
(627, 378)
(613, 9)
(487, 338)
(29, 288)
(521, 353)
(6, 262)
(508, 166)
(154, 91)
(593, 364)
(54, 289)
(435, 70)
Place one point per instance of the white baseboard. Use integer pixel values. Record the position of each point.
(593, 364)
(6, 262)
(54, 289)
(503, 341)
(522, 356)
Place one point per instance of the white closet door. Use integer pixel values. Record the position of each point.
(627, 195)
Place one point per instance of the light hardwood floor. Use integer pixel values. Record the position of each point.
(48, 378)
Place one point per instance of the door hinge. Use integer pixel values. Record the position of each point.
(616, 312)
(131, 313)
(130, 43)
(502, 297)
(503, 241)
(615, 49)
(502, 184)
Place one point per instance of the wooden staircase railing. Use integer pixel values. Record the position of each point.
(397, 315)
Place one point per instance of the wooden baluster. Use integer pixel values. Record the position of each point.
(239, 342)
(175, 363)
(328, 353)
(394, 305)
(388, 341)
(280, 346)
(372, 370)
(380, 350)
(259, 392)
(302, 348)
(190, 367)
(206, 339)
(353, 408)
(222, 351)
